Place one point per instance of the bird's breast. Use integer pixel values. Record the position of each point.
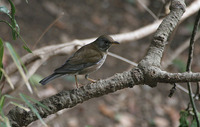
(93, 67)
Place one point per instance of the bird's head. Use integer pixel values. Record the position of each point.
(104, 42)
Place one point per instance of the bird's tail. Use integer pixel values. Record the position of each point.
(49, 78)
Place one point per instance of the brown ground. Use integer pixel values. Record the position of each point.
(140, 106)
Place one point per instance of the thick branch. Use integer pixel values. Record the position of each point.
(68, 99)
(154, 54)
(147, 72)
(178, 77)
(155, 75)
(155, 51)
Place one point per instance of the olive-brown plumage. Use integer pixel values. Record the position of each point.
(87, 59)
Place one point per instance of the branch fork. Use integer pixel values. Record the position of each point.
(147, 72)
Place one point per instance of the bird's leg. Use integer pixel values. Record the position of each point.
(77, 86)
(92, 80)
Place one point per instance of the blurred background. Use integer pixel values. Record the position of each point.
(140, 106)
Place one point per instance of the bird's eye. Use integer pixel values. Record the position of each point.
(106, 42)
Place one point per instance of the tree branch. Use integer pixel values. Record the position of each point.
(189, 64)
(155, 51)
(68, 99)
(148, 72)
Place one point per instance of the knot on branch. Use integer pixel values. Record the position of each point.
(137, 75)
(149, 72)
(178, 5)
(159, 40)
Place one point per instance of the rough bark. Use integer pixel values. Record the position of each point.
(147, 72)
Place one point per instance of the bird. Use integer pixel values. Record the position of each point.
(85, 60)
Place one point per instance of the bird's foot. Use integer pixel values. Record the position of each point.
(77, 85)
(92, 80)
(80, 85)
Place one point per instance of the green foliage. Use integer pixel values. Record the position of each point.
(11, 97)
(194, 121)
(13, 54)
(11, 14)
(37, 102)
(2, 103)
(13, 23)
(20, 106)
(7, 78)
(34, 79)
(183, 119)
(184, 115)
(15, 27)
(32, 108)
(26, 48)
(4, 122)
(5, 10)
(16, 60)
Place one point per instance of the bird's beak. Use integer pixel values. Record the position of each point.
(115, 42)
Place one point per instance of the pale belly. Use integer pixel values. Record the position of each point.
(93, 68)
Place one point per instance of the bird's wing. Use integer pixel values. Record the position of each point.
(85, 57)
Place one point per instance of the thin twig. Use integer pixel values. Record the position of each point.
(177, 52)
(122, 59)
(189, 63)
(148, 10)
(182, 88)
(47, 29)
